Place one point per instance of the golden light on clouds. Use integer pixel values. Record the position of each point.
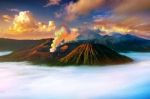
(25, 26)
(25, 22)
(127, 17)
(133, 26)
(124, 16)
(46, 28)
(113, 29)
(6, 18)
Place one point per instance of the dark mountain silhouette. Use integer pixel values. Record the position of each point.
(38, 53)
(80, 53)
(14, 45)
(89, 53)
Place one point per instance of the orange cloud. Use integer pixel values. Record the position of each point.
(128, 17)
(26, 26)
(50, 27)
(26, 22)
(6, 18)
(130, 25)
(82, 7)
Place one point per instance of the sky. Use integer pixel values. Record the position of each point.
(38, 19)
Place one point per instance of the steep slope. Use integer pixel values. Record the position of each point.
(40, 52)
(93, 54)
(81, 53)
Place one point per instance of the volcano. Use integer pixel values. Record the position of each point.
(72, 53)
(90, 53)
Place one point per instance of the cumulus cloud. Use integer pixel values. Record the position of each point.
(82, 7)
(51, 26)
(26, 22)
(25, 26)
(52, 2)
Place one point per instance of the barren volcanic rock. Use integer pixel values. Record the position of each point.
(73, 53)
(89, 53)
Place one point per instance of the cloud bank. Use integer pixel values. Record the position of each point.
(25, 25)
(128, 17)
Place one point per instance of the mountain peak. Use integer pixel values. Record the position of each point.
(90, 53)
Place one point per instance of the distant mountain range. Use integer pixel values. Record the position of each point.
(127, 43)
(120, 42)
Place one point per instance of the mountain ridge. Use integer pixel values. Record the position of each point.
(93, 54)
(41, 55)
(14, 45)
